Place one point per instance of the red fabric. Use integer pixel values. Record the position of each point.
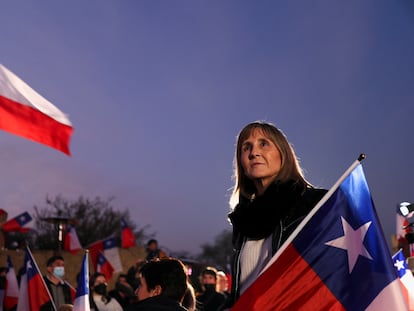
(71, 242)
(16, 224)
(288, 285)
(12, 288)
(104, 266)
(127, 237)
(32, 124)
(94, 250)
(38, 294)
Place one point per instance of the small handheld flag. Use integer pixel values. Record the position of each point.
(81, 302)
(71, 242)
(406, 277)
(127, 236)
(104, 266)
(17, 223)
(33, 292)
(12, 287)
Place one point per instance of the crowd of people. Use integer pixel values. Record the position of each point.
(157, 282)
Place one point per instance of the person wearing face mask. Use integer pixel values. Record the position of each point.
(99, 298)
(58, 288)
(210, 299)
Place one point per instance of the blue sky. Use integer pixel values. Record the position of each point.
(158, 90)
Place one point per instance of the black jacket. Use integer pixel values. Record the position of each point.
(295, 205)
(66, 293)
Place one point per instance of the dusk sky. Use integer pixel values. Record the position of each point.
(158, 90)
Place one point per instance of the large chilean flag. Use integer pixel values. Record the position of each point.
(337, 259)
(26, 113)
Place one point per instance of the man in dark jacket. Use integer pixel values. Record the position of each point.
(210, 299)
(60, 291)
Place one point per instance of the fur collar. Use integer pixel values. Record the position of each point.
(257, 219)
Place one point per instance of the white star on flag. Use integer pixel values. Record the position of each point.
(352, 242)
(399, 264)
(29, 266)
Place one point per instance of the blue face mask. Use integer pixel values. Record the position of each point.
(59, 272)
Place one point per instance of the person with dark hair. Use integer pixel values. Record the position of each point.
(270, 198)
(58, 288)
(210, 299)
(153, 251)
(163, 283)
(99, 298)
(123, 292)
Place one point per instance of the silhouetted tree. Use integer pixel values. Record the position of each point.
(218, 254)
(94, 219)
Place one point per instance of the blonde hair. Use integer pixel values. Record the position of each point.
(290, 168)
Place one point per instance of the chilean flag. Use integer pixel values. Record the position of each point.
(104, 266)
(71, 242)
(337, 259)
(406, 278)
(33, 292)
(110, 249)
(12, 287)
(127, 236)
(17, 223)
(26, 113)
(81, 302)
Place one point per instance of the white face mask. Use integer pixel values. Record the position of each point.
(59, 272)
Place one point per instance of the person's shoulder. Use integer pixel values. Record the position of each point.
(314, 194)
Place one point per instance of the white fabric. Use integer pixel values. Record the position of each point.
(12, 87)
(112, 305)
(254, 256)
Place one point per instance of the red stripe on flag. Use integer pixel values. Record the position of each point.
(38, 294)
(32, 124)
(289, 284)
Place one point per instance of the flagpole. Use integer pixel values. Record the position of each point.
(315, 209)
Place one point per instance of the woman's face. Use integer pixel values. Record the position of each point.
(260, 159)
(99, 280)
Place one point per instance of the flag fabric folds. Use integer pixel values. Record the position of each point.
(17, 223)
(71, 242)
(81, 302)
(406, 278)
(110, 249)
(33, 292)
(127, 236)
(26, 113)
(337, 258)
(104, 266)
(12, 287)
